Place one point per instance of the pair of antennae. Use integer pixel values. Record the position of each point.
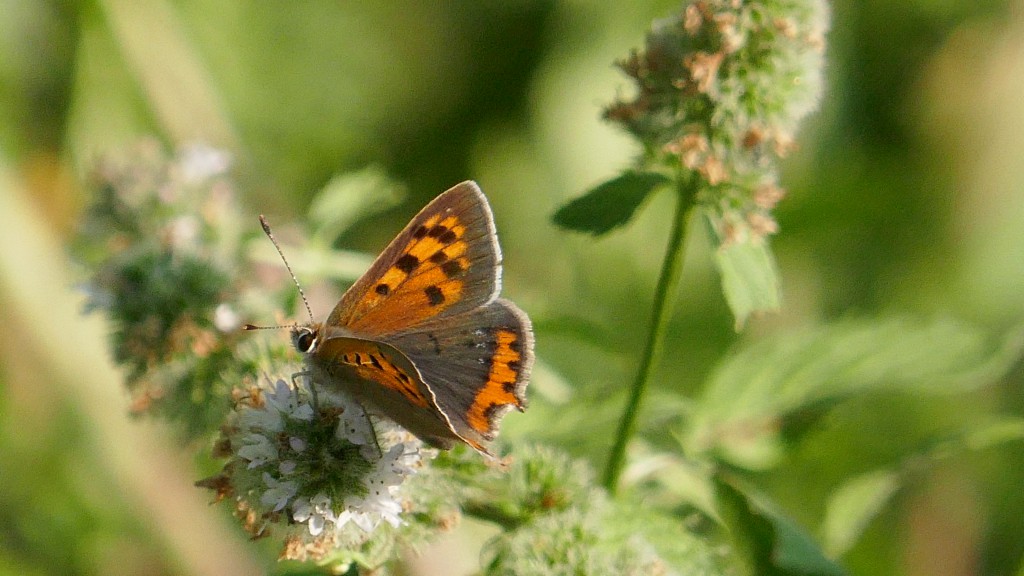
(305, 302)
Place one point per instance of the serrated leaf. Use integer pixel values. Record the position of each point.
(609, 205)
(854, 505)
(348, 198)
(771, 543)
(754, 392)
(750, 279)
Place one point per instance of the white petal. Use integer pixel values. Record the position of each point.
(316, 524)
(278, 493)
(258, 450)
(302, 412)
(265, 419)
(343, 518)
(364, 521)
(301, 510)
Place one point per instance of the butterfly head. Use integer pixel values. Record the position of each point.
(306, 338)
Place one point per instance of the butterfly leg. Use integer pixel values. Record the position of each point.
(312, 389)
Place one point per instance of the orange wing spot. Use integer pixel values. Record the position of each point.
(432, 221)
(498, 392)
(425, 248)
(451, 223)
(393, 277)
(456, 249)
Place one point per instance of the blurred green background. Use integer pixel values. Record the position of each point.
(906, 197)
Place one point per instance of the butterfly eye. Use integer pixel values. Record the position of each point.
(305, 340)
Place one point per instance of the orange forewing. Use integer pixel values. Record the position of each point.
(444, 262)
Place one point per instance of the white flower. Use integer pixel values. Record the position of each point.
(258, 450)
(324, 470)
(280, 403)
(316, 511)
(355, 427)
(367, 514)
(382, 483)
(265, 419)
(278, 493)
(285, 399)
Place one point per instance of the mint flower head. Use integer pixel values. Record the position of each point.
(162, 241)
(312, 469)
(720, 90)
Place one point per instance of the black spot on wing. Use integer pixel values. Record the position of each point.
(434, 295)
(407, 263)
(452, 268)
(515, 345)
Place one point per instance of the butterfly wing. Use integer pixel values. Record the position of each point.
(475, 364)
(382, 379)
(445, 262)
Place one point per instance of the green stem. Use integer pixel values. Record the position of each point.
(663, 297)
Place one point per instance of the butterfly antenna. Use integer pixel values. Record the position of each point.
(255, 327)
(266, 230)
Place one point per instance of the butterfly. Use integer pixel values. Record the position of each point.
(422, 337)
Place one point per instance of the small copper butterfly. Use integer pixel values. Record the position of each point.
(422, 337)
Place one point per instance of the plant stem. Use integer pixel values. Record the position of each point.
(663, 296)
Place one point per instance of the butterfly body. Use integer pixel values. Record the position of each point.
(422, 338)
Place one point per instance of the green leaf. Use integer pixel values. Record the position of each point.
(348, 198)
(978, 437)
(755, 392)
(771, 543)
(854, 505)
(750, 279)
(609, 205)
